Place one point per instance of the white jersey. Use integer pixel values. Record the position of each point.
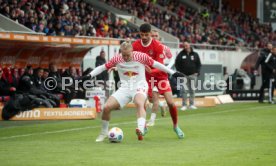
(132, 74)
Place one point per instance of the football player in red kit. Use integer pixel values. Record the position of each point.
(156, 78)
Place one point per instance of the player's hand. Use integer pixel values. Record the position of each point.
(148, 69)
(178, 74)
(86, 77)
(255, 72)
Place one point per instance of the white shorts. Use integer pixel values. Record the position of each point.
(125, 95)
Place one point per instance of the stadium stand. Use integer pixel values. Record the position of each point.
(78, 18)
(241, 25)
(230, 28)
(65, 18)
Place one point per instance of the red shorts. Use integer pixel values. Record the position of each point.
(159, 85)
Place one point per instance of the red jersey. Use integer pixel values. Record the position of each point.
(167, 52)
(156, 51)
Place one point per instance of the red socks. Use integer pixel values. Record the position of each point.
(173, 112)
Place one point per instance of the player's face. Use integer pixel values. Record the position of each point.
(145, 37)
(127, 54)
(155, 35)
(269, 46)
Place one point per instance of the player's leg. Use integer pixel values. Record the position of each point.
(163, 108)
(164, 88)
(139, 101)
(110, 105)
(118, 100)
(271, 90)
(173, 113)
(172, 107)
(155, 105)
(192, 86)
(184, 91)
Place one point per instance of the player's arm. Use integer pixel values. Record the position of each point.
(98, 70)
(150, 62)
(161, 54)
(172, 62)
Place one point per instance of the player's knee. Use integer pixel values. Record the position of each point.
(170, 104)
(107, 108)
(155, 103)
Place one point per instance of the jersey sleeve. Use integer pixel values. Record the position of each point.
(167, 52)
(143, 58)
(159, 54)
(113, 62)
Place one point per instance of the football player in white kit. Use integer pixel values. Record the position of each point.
(131, 68)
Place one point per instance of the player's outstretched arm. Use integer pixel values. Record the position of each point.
(164, 68)
(98, 70)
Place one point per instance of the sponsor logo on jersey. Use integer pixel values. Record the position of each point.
(130, 73)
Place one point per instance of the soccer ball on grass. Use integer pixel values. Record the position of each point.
(115, 135)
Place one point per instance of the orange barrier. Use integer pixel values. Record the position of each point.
(20, 50)
(57, 39)
(55, 114)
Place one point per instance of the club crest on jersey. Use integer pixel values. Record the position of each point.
(130, 73)
(161, 56)
(150, 52)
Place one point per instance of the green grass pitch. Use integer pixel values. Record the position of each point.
(240, 134)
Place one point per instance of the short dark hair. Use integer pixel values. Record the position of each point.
(29, 67)
(46, 70)
(145, 28)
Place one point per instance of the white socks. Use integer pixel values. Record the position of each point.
(141, 122)
(152, 117)
(105, 125)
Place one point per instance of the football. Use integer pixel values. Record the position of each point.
(115, 135)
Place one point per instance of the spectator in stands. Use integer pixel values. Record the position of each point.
(45, 74)
(188, 63)
(60, 88)
(100, 60)
(6, 89)
(38, 80)
(54, 74)
(70, 77)
(10, 77)
(15, 74)
(26, 80)
(80, 18)
(71, 18)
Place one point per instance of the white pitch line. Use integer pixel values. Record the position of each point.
(116, 124)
